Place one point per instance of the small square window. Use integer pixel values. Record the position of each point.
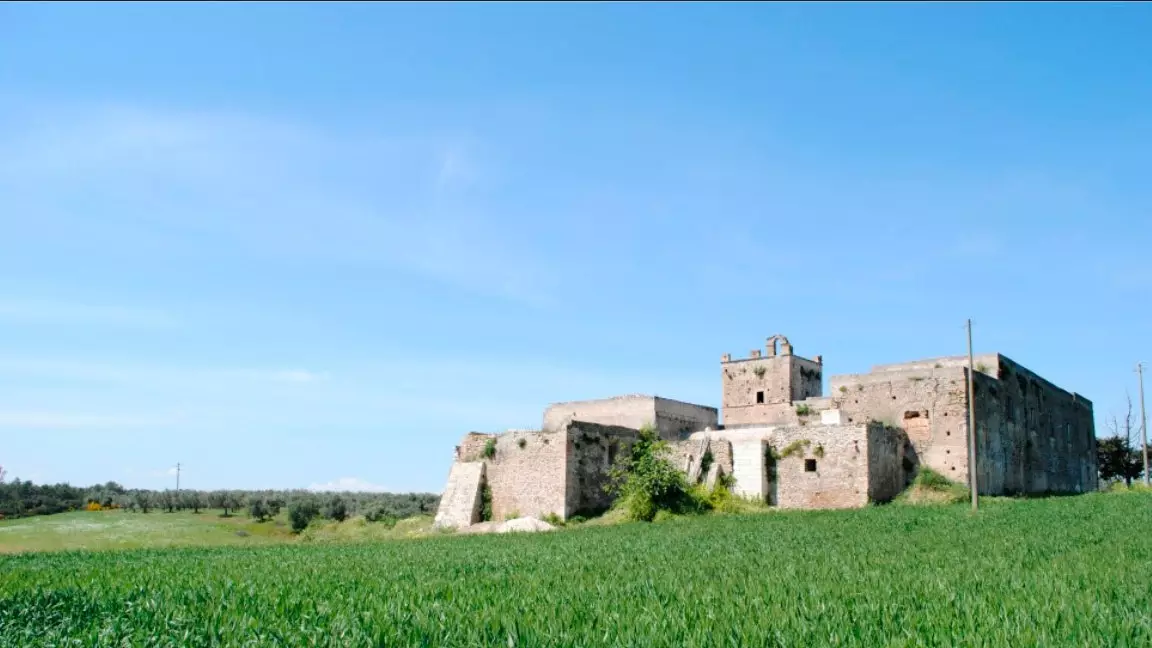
(759, 397)
(809, 465)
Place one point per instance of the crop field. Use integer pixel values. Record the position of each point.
(92, 530)
(121, 530)
(1053, 572)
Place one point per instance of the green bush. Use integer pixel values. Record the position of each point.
(646, 482)
(380, 515)
(931, 480)
(301, 513)
(485, 502)
(489, 449)
(336, 509)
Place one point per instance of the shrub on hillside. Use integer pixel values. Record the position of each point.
(301, 512)
(335, 509)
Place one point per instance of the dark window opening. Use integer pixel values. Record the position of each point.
(759, 397)
(611, 454)
(809, 465)
(911, 415)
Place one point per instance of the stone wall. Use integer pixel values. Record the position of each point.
(592, 449)
(677, 419)
(460, 503)
(632, 411)
(929, 404)
(807, 378)
(1032, 437)
(538, 473)
(886, 474)
(672, 419)
(527, 474)
(762, 389)
(830, 471)
(828, 466)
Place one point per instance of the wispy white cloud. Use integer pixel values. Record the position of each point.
(48, 420)
(46, 311)
(266, 188)
(349, 485)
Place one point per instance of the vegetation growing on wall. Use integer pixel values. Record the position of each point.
(485, 502)
(706, 462)
(489, 448)
(760, 371)
(796, 448)
(803, 409)
(645, 482)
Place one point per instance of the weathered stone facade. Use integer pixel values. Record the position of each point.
(807, 466)
(535, 473)
(761, 388)
(673, 419)
(784, 441)
(1031, 436)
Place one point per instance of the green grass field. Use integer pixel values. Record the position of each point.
(121, 530)
(84, 530)
(1047, 572)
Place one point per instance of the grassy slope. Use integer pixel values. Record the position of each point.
(83, 530)
(122, 530)
(1061, 571)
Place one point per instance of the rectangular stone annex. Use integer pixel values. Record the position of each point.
(780, 439)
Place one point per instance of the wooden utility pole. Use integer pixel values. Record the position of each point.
(177, 477)
(972, 485)
(1143, 421)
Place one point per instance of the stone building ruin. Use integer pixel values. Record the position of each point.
(783, 441)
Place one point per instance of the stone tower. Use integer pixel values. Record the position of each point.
(760, 389)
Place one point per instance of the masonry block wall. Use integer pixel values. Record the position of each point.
(828, 466)
(886, 474)
(592, 449)
(1032, 436)
(761, 388)
(673, 419)
(929, 404)
(688, 454)
(830, 471)
(526, 475)
(677, 419)
(538, 473)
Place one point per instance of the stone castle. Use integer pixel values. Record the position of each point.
(786, 443)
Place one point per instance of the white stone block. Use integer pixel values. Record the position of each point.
(832, 417)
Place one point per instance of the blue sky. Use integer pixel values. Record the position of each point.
(289, 245)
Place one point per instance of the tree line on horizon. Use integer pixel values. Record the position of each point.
(23, 499)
